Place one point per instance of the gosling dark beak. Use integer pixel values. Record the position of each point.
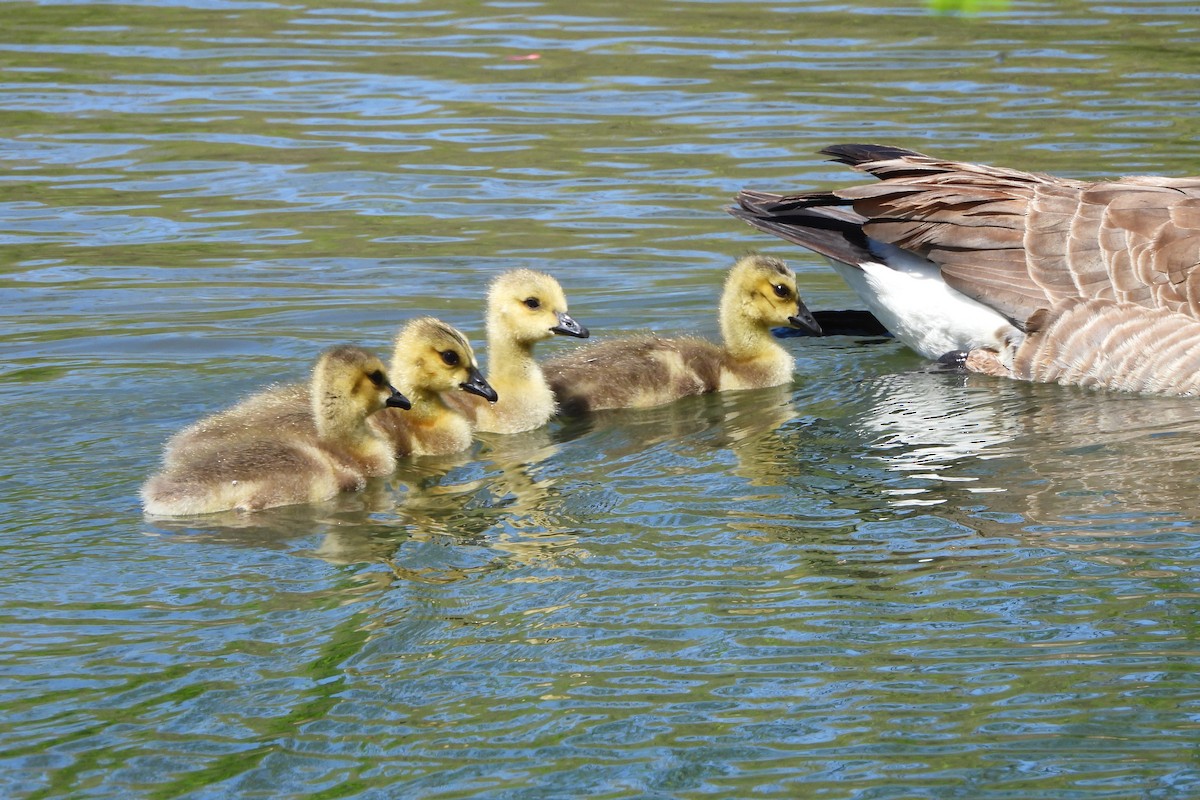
(397, 400)
(805, 319)
(476, 384)
(569, 327)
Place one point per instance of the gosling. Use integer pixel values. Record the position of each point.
(285, 445)
(431, 357)
(523, 308)
(644, 371)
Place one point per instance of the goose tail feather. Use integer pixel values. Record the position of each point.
(811, 220)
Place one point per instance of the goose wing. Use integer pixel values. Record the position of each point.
(1108, 344)
(1014, 241)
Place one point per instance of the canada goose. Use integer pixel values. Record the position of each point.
(431, 357)
(523, 308)
(1012, 273)
(644, 371)
(287, 444)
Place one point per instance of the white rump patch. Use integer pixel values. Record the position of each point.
(908, 296)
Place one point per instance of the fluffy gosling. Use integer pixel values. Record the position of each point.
(285, 445)
(643, 371)
(431, 357)
(523, 308)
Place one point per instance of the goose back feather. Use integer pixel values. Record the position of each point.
(1105, 344)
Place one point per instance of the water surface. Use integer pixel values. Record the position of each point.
(878, 582)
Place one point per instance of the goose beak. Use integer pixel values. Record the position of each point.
(397, 400)
(475, 384)
(805, 319)
(569, 327)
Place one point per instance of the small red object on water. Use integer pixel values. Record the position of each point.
(526, 57)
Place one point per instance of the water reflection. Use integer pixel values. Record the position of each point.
(738, 595)
(504, 500)
(925, 422)
(1059, 456)
(491, 502)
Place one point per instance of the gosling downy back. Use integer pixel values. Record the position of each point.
(961, 257)
(524, 307)
(643, 371)
(429, 358)
(285, 445)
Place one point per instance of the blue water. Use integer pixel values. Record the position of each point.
(878, 582)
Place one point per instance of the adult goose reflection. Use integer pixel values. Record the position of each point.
(1055, 456)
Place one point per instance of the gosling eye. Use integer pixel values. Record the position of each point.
(782, 291)
(378, 378)
(450, 357)
(533, 302)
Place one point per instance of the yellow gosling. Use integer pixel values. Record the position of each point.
(643, 371)
(523, 308)
(431, 357)
(285, 445)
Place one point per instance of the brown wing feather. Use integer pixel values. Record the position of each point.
(1105, 276)
(1113, 345)
(1013, 240)
(833, 232)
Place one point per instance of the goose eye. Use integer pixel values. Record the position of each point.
(450, 357)
(533, 302)
(782, 291)
(377, 377)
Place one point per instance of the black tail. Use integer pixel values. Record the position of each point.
(816, 221)
(856, 154)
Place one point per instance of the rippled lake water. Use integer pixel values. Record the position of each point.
(878, 582)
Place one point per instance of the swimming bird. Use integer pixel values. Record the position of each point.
(643, 371)
(288, 444)
(431, 357)
(1012, 273)
(524, 307)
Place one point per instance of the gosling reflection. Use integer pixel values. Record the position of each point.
(722, 419)
(492, 507)
(502, 507)
(749, 428)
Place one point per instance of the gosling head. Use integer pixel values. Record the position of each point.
(529, 306)
(431, 356)
(348, 380)
(763, 290)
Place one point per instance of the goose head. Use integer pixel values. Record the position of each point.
(431, 356)
(348, 385)
(760, 292)
(526, 306)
